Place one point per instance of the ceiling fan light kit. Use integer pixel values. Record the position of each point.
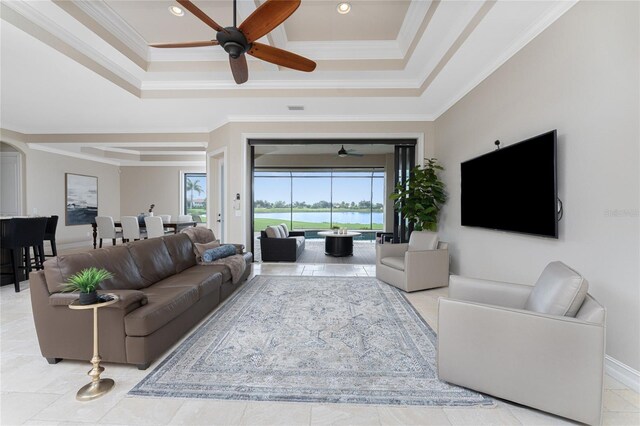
(238, 40)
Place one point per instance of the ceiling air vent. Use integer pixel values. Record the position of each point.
(295, 107)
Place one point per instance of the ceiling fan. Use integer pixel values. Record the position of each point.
(237, 41)
(347, 152)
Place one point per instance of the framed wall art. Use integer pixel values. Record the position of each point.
(81, 194)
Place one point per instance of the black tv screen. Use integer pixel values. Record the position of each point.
(513, 188)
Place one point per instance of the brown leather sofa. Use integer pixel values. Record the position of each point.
(163, 293)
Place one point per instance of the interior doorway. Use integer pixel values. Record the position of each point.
(218, 182)
(11, 183)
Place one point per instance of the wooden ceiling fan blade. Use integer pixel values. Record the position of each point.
(201, 15)
(239, 68)
(266, 17)
(186, 44)
(281, 57)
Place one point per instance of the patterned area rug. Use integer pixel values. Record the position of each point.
(349, 340)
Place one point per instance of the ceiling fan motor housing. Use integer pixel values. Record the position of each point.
(233, 41)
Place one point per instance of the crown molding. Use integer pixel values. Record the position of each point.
(72, 154)
(29, 10)
(559, 9)
(109, 19)
(412, 21)
(327, 118)
(127, 163)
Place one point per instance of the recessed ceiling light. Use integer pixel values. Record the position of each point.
(343, 8)
(175, 10)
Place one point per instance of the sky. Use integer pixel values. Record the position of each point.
(318, 189)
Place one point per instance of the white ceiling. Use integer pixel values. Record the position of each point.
(84, 66)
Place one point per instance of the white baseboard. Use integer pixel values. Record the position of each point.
(622, 373)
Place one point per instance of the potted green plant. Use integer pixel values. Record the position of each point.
(422, 197)
(86, 282)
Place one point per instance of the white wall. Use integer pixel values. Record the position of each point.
(234, 136)
(580, 76)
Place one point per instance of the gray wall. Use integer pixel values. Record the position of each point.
(142, 186)
(579, 76)
(44, 188)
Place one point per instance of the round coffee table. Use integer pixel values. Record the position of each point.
(338, 245)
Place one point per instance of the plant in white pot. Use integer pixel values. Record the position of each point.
(86, 283)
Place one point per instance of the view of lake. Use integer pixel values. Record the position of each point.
(338, 217)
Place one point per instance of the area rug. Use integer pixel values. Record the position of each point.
(313, 339)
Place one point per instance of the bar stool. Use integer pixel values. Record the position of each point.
(50, 234)
(22, 234)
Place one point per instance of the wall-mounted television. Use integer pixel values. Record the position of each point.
(513, 188)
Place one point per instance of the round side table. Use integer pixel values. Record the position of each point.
(98, 386)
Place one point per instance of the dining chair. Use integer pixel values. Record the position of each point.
(23, 234)
(154, 226)
(185, 218)
(131, 229)
(107, 229)
(165, 217)
(50, 234)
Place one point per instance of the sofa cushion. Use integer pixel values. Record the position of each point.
(116, 260)
(285, 228)
(283, 231)
(180, 249)
(153, 260)
(165, 304)
(273, 232)
(423, 240)
(393, 262)
(299, 241)
(205, 280)
(559, 291)
(216, 253)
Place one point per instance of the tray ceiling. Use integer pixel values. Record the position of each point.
(84, 66)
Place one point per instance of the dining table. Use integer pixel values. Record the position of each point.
(175, 226)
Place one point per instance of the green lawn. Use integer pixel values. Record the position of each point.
(261, 223)
(288, 209)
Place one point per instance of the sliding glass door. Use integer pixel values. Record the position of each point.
(319, 199)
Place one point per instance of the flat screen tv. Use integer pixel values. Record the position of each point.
(513, 188)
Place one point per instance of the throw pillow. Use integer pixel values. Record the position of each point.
(559, 291)
(283, 233)
(286, 229)
(273, 232)
(201, 248)
(216, 253)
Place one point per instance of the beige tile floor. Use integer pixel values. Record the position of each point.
(35, 393)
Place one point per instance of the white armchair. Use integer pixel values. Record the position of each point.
(540, 346)
(421, 264)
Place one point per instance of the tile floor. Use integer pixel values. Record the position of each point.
(35, 393)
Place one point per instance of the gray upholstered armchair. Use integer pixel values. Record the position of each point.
(421, 264)
(541, 346)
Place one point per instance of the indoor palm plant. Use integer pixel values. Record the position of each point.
(422, 196)
(86, 282)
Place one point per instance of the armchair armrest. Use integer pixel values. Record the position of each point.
(499, 293)
(390, 250)
(431, 266)
(552, 363)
